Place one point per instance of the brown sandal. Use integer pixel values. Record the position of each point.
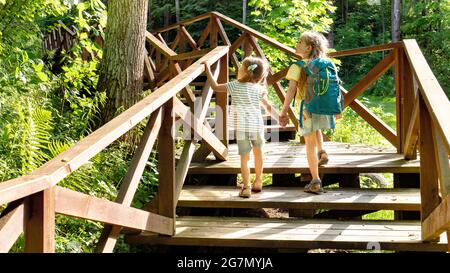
(245, 192)
(323, 157)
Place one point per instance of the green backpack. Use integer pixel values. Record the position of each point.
(323, 95)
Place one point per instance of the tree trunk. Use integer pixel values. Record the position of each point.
(395, 19)
(177, 10)
(244, 12)
(121, 70)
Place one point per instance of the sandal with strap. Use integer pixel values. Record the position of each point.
(245, 192)
(323, 157)
(315, 186)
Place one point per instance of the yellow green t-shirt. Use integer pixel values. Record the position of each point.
(297, 73)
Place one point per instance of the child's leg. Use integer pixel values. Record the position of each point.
(245, 170)
(311, 154)
(321, 153)
(259, 161)
(319, 140)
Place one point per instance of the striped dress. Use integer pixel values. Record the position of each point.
(245, 110)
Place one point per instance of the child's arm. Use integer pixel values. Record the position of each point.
(268, 107)
(216, 87)
(284, 119)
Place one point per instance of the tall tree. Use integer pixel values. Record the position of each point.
(177, 10)
(121, 70)
(395, 20)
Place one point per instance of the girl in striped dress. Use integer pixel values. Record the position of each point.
(248, 93)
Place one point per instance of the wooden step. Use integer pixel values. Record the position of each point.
(293, 233)
(290, 157)
(296, 198)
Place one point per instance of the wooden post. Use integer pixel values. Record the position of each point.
(213, 32)
(408, 99)
(166, 163)
(429, 191)
(399, 94)
(222, 103)
(40, 228)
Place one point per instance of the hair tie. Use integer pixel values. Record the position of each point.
(252, 67)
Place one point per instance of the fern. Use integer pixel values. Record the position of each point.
(56, 147)
(35, 137)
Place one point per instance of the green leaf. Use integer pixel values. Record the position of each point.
(42, 76)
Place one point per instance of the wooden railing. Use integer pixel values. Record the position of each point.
(34, 199)
(417, 94)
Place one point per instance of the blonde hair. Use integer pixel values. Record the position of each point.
(318, 43)
(255, 70)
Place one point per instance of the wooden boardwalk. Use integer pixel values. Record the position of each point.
(283, 157)
(293, 233)
(296, 198)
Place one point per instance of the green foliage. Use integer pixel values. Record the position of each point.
(428, 23)
(353, 129)
(286, 20)
(360, 26)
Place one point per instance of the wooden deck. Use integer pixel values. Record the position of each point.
(293, 233)
(290, 157)
(295, 198)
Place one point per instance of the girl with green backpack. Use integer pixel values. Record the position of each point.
(315, 81)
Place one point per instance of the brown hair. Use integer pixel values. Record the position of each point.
(255, 68)
(317, 41)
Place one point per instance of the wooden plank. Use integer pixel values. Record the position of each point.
(12, 224)
(377, 123)
(226, 40)
(201, 109)
(160, 46)
(272, 78)
(186, 91)
(204, 34)
(188, 37)
(23, 186)
(364, 50)
(408, 101)
(428, 168)
(175, 42)
(399, 95)
(412, 135)
(442, 162)
(148, 69)
(365, 164)
(290, 233)
(369, 78)
(213, 32)
(256, 34)
(166, 164)
(437, 222)
(130, 183)
(56, 169)
(204, 151)
(40, 227)
(215, 145)
(84, 206)
(190, 55)
(433, 94)
(185, 22)
(296, 198)
(221, 126)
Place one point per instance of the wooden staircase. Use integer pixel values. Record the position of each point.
(282, 231)
(420, 197)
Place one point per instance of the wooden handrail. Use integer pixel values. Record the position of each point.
(67, 162)
(437, 102)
